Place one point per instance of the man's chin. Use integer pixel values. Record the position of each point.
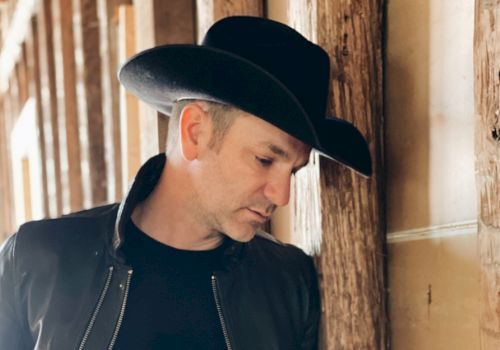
(244, 235)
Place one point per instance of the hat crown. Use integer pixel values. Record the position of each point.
(301, 66)
(243, 31)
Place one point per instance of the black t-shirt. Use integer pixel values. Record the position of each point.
(171, 303)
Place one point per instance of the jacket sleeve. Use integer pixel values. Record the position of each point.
(11, 334)
(311, 330)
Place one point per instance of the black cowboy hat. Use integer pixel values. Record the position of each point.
(257, 65)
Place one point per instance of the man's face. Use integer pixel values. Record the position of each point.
(239, 184)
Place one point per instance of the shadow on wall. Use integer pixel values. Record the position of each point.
(407, 71)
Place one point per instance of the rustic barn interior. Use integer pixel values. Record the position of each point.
(407, 259)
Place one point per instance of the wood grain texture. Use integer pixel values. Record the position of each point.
(487, 164)
(6, 195)
(89, 27)
(108, 19)
(351, 262)
(129, 106)
(49, 107)
(35, 92)
(64, 8)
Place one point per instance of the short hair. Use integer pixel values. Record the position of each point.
(222, 116)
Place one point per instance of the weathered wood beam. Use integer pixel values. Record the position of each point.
(164, 22)
(351, 259)
(70, 152)
(6, 195)
(129, 104)
(87, 25)
(487, 151)
(49, 107)
(22, 75)
(35, 92)
(108, 19)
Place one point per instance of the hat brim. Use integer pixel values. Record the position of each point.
(162, 75)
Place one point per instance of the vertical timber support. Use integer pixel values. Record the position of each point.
(35, 92)
(487, 141)
(62, 11)
(88, 27)
(352, 249)
(6, 199)
(129, 104)
(48, 100)
(108, 18)
(169, 22)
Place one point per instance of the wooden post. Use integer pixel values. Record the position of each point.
(6, 197)
(129, 104)
(487, 140)
(34, 92)
(62, 11)
(49, 107)
(108, 18)
(168, 22)
(90, 69)
(351, 260)
(22, 76)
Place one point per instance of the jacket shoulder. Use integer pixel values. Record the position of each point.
(84, 229)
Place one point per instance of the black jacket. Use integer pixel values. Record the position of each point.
(64, 283)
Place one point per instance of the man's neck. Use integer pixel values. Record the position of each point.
(166, 216)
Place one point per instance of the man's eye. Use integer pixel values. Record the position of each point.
(264, 161)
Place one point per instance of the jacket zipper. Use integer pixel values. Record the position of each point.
(122, 311)
(97, 308)
(219, 312)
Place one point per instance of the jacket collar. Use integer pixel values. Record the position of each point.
(144, 183)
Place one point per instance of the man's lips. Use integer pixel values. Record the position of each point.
(262, 217)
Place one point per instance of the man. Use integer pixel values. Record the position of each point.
(181, 262)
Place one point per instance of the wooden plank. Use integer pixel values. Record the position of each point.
(35, 92)
(167, 23)
(129, 110)
(62, 11)
(60, 93)
(210, 11)
(49, 106)
(487, 146)
(6, 195)
(23, 76)
(108, 18)
(92, 89)
(28, 206)
(351, 260)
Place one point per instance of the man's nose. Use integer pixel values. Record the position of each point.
(277, 190)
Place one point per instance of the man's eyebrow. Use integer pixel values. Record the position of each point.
(284, 154)
(278, 151)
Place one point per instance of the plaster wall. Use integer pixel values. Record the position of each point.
(429, 113)
(431, 200)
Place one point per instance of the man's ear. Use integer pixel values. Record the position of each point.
(192, 129)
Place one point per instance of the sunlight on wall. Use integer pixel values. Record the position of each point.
(25, 148)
